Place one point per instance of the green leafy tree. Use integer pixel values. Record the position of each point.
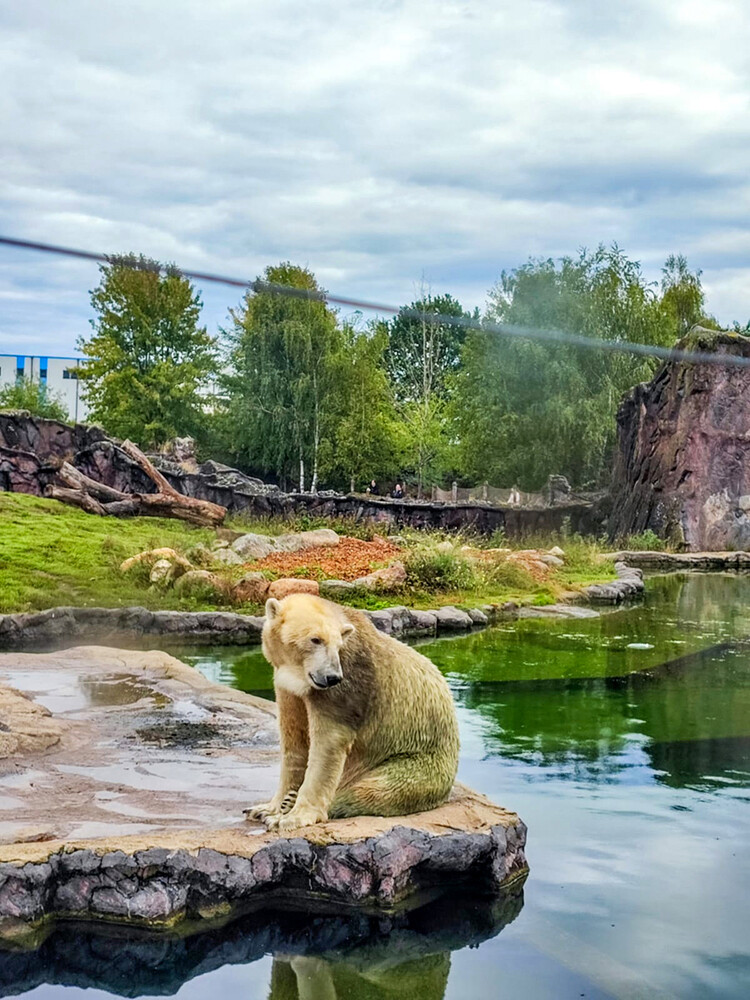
(682, 296)
(423, 358)
(423, 352)
(279, 391)
(149, 364)
(361, 439)
(34, 396)
(525, 409)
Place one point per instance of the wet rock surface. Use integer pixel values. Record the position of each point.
(134, 813)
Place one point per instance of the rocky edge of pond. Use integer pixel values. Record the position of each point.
(155, 741)
(72, 624)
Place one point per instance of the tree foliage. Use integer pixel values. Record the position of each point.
(34, 396)
(149, 363)
(423, 358)
(312, 401)
(525, 409)
(280, 386)
(361, 436)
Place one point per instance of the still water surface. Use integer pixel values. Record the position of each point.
(623, 742)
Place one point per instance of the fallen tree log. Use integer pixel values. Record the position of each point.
(81, 491)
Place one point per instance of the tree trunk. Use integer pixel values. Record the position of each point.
(98, 498)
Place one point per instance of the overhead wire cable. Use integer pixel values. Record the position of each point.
(466, 322)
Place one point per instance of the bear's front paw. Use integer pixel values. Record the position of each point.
(265, 811)
(301, 816)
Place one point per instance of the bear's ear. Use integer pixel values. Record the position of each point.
(346, 630)
(273, 607)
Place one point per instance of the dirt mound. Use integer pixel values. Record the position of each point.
(349, 560)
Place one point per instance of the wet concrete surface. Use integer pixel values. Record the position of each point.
(101, 741)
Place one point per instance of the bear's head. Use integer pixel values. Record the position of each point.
(302, 640)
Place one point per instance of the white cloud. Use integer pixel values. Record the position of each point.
(374, 142)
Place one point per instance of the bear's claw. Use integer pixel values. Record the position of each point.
(265, 812)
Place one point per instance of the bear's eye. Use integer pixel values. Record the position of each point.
(316, 641)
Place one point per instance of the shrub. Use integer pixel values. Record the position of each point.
(34, 396)
(647, 540)
(430, 571)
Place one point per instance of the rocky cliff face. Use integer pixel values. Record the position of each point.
(683, 463)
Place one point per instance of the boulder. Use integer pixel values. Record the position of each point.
(228, 557)
(251, 589)
(422, 622)
(556, 551)
(452, 619)
(390, 577)
(553, 561)
(291, 585)
(334, 589)
(478, 617)
(300, 540)
(252, 546)
(192, 854)
(200, 583)
(161, 572)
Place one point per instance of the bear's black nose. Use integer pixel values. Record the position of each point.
(332, 680)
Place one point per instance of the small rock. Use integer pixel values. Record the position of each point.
(382, 620)
(200, 583)
(551, 560)
(301, 540)
(251, 589)
(451, 618)
(445, 546)
(161, 572)
(556, 551)
(510, 607)
(290, 585)
(227, 557)
(389, 578)
(200, 555)
(477, 616)
(422, 622)
(335, 588)
(252, 546)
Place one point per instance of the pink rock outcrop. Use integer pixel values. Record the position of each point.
(682, 467)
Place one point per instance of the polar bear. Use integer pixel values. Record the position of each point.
(368, 725)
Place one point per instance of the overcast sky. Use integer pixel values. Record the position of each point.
(375, 142)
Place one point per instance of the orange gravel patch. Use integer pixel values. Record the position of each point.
(348, 560)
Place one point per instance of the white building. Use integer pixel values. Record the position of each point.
(60, 375)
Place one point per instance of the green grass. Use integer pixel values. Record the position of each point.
(52, 555)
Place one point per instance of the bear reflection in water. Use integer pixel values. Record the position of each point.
(316, 957)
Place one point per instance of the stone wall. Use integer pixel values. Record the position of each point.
(682, 467)
(28, 443)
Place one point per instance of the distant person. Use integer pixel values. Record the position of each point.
(398, 492)
(515, 496)
(373, 488)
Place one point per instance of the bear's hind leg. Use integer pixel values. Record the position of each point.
(399, 786)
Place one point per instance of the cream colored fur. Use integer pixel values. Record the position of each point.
(382, 739)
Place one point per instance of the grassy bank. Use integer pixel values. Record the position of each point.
(53, 555)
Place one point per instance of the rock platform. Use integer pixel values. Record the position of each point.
(123, 777)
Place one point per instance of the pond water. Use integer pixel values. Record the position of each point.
(623, 742)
